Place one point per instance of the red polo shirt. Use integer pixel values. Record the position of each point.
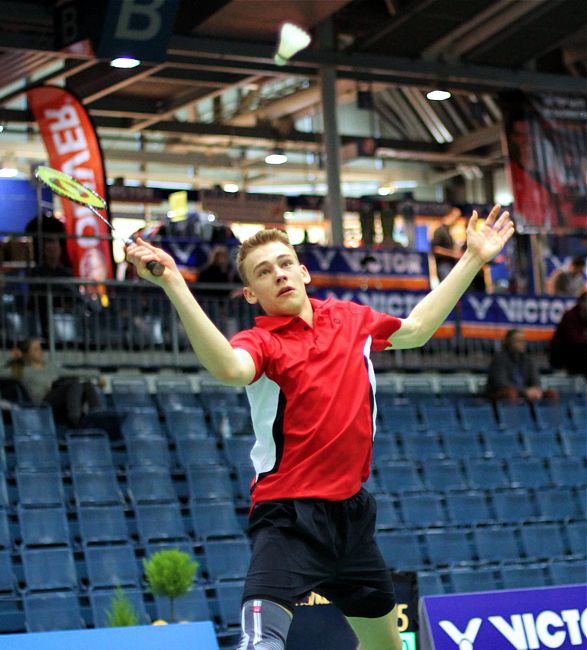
(312, 399)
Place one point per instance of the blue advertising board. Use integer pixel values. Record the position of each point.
(520, 619)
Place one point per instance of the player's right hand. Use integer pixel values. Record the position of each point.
(140, 253)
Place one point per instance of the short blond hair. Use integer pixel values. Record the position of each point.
(259, 239)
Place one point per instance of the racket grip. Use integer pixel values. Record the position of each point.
(155, 268)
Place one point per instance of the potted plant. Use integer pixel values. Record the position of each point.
(121, 612)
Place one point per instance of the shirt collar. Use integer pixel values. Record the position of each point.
(272, 323)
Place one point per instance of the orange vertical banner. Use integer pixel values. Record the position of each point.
(73, 148)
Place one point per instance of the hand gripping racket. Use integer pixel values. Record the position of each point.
(69, 188)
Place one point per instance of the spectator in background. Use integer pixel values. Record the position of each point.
(69, 394)
(568, 348)
(446, 252)
(215, 301)
(513, 374)
(569, 280)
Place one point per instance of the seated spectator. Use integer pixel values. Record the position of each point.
(445, 250)
(513, 374)
(569, 280)
(69, 394)
(568, 348)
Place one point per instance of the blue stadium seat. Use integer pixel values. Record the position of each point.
(443, 475)
(4, 500)
(43, 526)
(198, 451)
(503, 444)
(102, 525)
(7, 581)
(575, 443)
(187, 423)
(227, 559)
(142, 422)
(385, 448)
(209, 483)
(486, 473)
(522, 577)
(231, 421)
(542, 541)
(471, 580)
(568, 472)
(229, 596)
(528, 472)
(459, 446)
(4, 530)
(219, 394)
(192, 606)
(160, 521)
(578, 415)
(95, 487)
(244, 476)
(399, 476)
(421, 446)
(49, 568)
(33, 421)
(238, 449)
(422, 510)
(430, 583)
(37, 453)
(401, 550)
(111, 566)
(448, 547)
(468, 508)
(543, 444)
(515, 417)
(150, 485)
(387, 517)
(58, 610)
(89, 448)
(558, 504)
(101, 604)
(550, 417)
(514, 506)
(147, 451)
(215, 519)
(174, 393)
(130, 393)
(577, 535)
(567, 573)
(440, 417)
(398, 417)
(43, 488)
(477, 416)
(496, 544)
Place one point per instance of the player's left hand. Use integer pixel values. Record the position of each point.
(486, 242)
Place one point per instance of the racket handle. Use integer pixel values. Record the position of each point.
(155, 268)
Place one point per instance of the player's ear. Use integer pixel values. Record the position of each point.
(305, 274)
(250, 296)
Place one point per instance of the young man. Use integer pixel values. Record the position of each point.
(311, 387)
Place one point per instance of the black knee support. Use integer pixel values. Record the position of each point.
(265, 625)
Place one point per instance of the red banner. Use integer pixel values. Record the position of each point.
(73, 148)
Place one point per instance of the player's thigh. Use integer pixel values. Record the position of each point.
(377, 633)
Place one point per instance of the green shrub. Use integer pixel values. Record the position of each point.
(121, 612)
(170, 573)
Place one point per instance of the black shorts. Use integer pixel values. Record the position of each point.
(313, 545)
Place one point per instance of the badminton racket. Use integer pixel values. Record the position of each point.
(68, 188)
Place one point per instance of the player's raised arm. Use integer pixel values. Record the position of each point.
(483, 245)
(230, 366)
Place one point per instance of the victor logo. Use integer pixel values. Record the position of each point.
(466, 639)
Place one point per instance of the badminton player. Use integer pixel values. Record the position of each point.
(311, 388)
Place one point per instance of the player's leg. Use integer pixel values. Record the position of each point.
(377, 633)
(264, 625)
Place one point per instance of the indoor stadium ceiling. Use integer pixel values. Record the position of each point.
(217, 104)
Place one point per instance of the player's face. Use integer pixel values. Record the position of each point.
(276, 280)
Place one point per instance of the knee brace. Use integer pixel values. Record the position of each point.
(265, 625)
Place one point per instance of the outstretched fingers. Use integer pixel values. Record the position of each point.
(492, 216)
(502, 222)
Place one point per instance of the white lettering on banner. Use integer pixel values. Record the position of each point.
(534, 310)
(543, 622)
(132, 8)
(466, 639)
(531, 636)
(390, 303)
(324, 258)
(514, 633)
(385, 262)
(480, 307)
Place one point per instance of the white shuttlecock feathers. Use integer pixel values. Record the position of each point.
(292, 39)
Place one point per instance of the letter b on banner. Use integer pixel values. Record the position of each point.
(141, 29)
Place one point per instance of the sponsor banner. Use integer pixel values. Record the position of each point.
(521, 619)
(73, 148)
(546, 137)
(396, 303)
(490, 316)
(365, 268)
(230, 207)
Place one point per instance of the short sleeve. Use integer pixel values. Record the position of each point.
(255, 343)
(381, 327)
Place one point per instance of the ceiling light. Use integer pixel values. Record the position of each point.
(384, 191)
(125, 62)
(276, 157)
(438, 95)
(8, 172)
(230, 187)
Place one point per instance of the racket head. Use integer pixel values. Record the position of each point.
(64, 185)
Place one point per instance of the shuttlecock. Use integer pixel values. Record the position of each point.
(292, 39)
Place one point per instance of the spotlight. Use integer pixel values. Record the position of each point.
(125, 62)
(276, 157)
(438, 95)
